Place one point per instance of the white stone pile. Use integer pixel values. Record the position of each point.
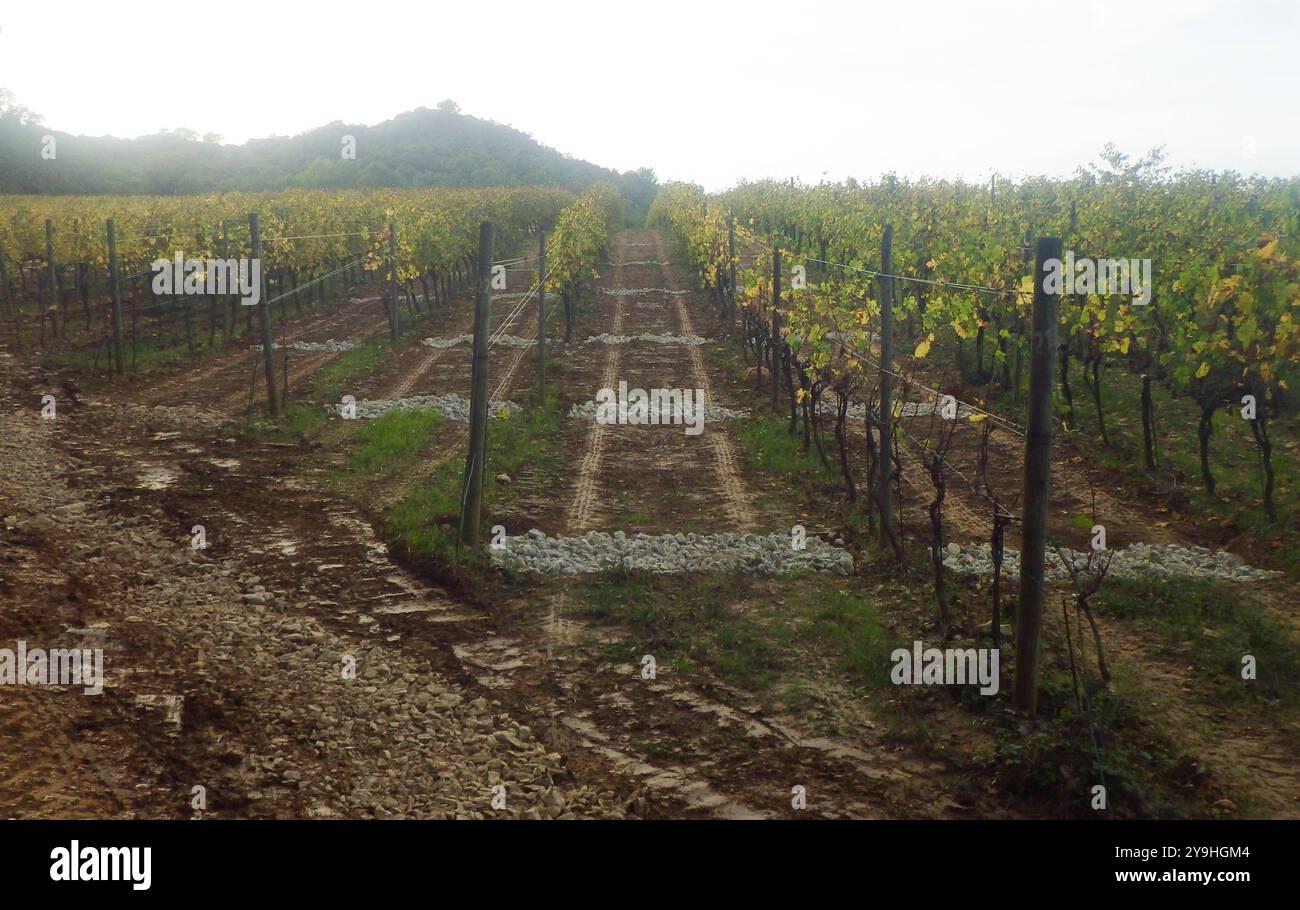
(669, 554)
(441, 343)
(514, 341)
(634, 292)
(334, 347)
(607, 338)
(509, 341)
(450, 405)
(667, 412)
(1134, 561)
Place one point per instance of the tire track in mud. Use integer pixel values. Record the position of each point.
(582, 512)
(335, 574)
(740, 511)
(269, 608)
(610, 710)
(176, 385)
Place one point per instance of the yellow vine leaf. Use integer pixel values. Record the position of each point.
(922, 349)
(977, 417)
(1203, 371)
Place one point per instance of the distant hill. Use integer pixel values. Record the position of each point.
(423, 147)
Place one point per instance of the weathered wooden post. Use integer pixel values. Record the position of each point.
(472, 502)
(10, 303)
(1038, 468)
(119, 363)
(541, 315)
(731, 275)
(886, 422)
(53, 278)
(392, 280)
(264, 312)
(776, 320)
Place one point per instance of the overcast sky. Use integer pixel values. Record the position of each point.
(706, 91)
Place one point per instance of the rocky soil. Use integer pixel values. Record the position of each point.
(1133, 561)
(596, 551)
(450, 405)
(199, 649)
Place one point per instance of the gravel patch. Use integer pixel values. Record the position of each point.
(450, 405)
(666, 412)
(400, 740)
(510, 341)
(606, 338)
(334, 347)
(669, 554)
(1135, 561)
(446, 342)
(514, 341)
(633, 292)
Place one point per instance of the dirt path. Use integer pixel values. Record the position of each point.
(684, 738)
(740, 511)
(656, 479)
(586, 488)
(226, 666)
(222, 382)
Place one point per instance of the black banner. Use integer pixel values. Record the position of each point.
(642, 859)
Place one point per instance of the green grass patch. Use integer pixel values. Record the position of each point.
(684, 625)
(391, 442)
(1057, 763)
(1208, 627)
(760, 635)
(334, 379)
(770, 447)
(425, 522)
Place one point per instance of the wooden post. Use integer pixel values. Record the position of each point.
(731, 275)
(472, 500)
(228, 305)
(392, 280)
(264, 312)
(1038, 468)
(53, 277)
(776, 319)
(541, 316)
(10, 304)
(884, 487)
(115, 288)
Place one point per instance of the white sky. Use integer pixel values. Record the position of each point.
(707, 91)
